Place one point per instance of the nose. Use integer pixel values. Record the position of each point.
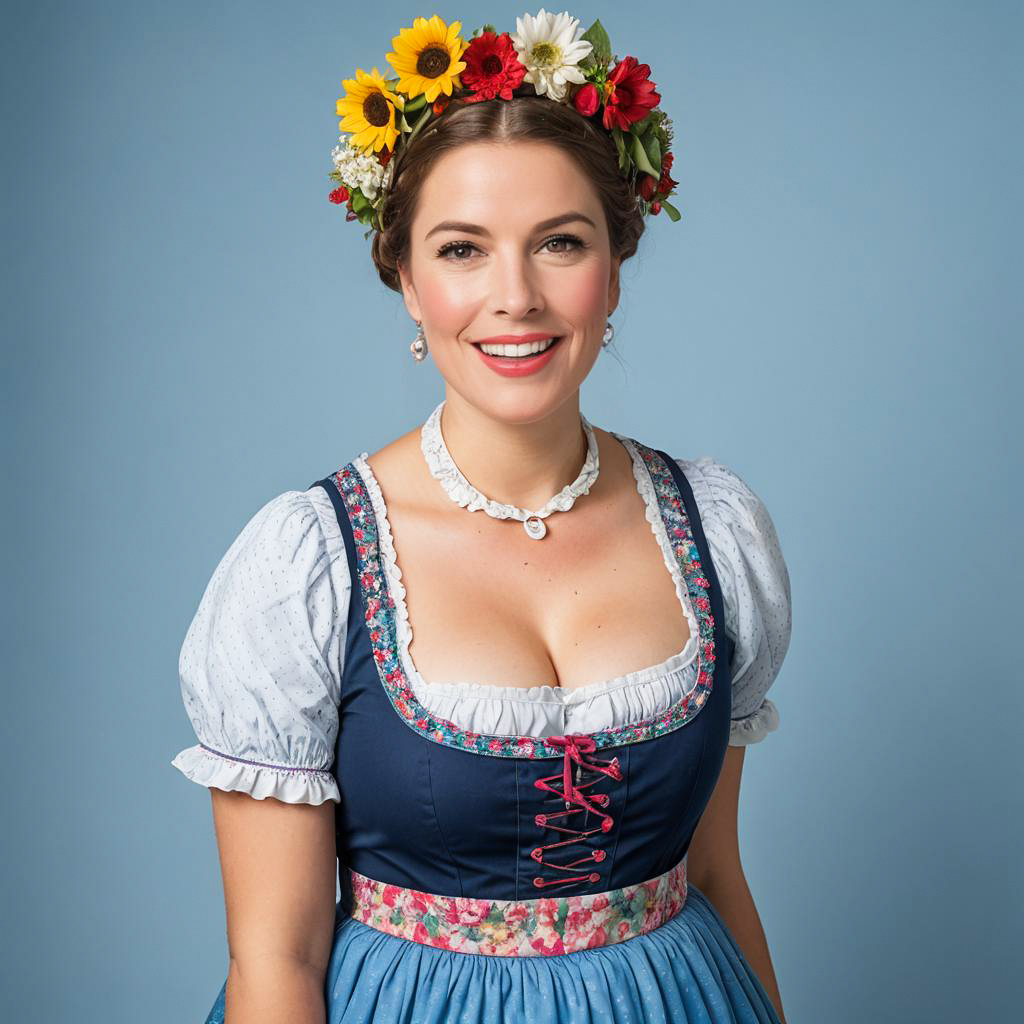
(515, 289)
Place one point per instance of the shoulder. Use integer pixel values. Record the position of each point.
(721, 490)
(293, 538)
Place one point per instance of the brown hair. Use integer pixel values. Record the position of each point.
(526, 118)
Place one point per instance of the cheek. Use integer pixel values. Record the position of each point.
(584, 296)
(445, 299)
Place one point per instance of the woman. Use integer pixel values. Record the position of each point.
(531, 810)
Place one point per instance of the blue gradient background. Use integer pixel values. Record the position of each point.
(190, 328)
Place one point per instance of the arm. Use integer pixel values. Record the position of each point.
(713, 865)
(279, 866)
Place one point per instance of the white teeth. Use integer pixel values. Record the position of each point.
(528, 349)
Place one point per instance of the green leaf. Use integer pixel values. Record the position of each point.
(415, 104)
(423, 119)
(652, 147)
(640, 158)
(359, 201)
(672, 212)
(641, 126)
(598, 38)
(620, 146)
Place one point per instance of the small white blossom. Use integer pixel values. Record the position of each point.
(360, 168)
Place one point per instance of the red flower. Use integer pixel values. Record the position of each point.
(666, 184)
(587, 100)
(339, 195)
(492, 69)
(648, 187)
(630, 94)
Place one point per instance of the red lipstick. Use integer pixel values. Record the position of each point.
(518, 366)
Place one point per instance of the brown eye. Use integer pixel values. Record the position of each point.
(574, 242)
(453, 246)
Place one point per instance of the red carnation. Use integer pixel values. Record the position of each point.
(630, 94)
(666, 184)
(648, 187)
(587, 100)
(339, 195)
(492, 69)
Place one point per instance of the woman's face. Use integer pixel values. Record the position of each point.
(487, 259)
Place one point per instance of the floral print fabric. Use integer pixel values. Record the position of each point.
(546, 926)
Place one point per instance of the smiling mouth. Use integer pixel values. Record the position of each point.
(524, 351)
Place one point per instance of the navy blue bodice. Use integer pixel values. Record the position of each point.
(429, 806)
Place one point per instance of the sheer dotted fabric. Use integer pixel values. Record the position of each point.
(261, 664)
(755, 589)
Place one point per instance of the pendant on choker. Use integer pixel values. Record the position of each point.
(535, 528)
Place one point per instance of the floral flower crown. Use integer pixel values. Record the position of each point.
(547, 55)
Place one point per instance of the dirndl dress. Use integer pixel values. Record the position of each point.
(495, 876)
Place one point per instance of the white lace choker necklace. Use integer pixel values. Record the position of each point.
(463, 493)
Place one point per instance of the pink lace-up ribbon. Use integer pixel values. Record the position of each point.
(576, 746)
(546, 925)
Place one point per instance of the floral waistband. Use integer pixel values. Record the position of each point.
(545, 926)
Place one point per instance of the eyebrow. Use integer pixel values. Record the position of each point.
(476, 229)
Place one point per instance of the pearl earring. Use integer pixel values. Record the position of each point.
(419, 346)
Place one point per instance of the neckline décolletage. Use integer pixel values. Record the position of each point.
(679, 663)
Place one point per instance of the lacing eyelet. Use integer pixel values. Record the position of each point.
(586, 807)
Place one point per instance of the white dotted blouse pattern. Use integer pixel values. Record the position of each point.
(261, 664)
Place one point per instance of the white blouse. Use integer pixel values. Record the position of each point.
(262, 661)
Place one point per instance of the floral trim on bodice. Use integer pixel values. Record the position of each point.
(546, 926)
(379, 608)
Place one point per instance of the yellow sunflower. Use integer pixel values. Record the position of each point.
(368, 110)
(427, 56)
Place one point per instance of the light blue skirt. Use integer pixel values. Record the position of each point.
(688, 970)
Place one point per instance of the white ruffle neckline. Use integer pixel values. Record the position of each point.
(546, 710)
(443, 468)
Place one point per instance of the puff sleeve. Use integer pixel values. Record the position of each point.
(755, 587)
(260, 664)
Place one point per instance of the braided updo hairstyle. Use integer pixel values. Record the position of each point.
(523, 118)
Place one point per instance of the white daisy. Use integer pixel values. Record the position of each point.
(550, 48)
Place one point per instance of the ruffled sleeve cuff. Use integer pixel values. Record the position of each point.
(291, 785)
(753, 728)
